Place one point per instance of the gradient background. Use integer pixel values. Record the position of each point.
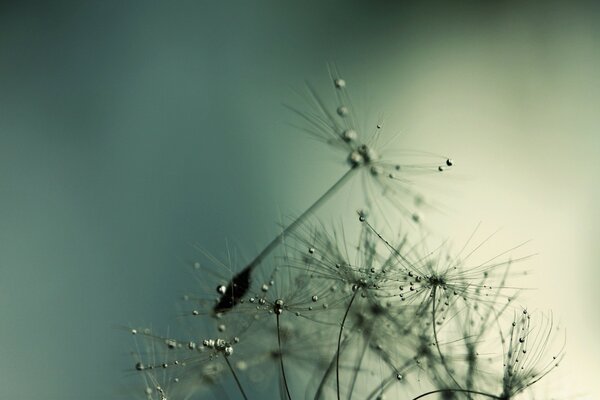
(131, 130)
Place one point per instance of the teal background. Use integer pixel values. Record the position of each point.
(131, 131)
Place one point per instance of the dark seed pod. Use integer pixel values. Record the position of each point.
(234, 291)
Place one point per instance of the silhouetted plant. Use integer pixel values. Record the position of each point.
(334, 317)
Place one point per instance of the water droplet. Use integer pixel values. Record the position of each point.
(311, 250)
(441, 168)
(315, 298)
(222, 328)
(349, 135)
(264, 288)
(221, 289)
(140, 366)
(339, 83)
(228, 351)
(355, 158)
(134, 331)
(399, 377)
(278, 307)
(376, 170)
(449, 162)
(521, 340)
(342, 111)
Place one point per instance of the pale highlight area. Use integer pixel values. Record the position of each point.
(517, 111)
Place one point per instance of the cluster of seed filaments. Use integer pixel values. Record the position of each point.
(361, 154)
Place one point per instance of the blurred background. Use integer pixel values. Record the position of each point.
(132, 131)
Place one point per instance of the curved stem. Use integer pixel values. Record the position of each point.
(240, 283)
(491, 396)
(237, 381)
(337, 357)
(359, 363)
(285, 383)
(328, 372)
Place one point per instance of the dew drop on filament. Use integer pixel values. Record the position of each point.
(342, 111)
(339, 83)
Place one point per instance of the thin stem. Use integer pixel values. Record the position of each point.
(240, 283)
(237, 381)
(287, 389)
(491, 396)
(359, 363)
(328, 372)
(290, 228)
(379, 390)
(337, 356)
(394, 377)
(437, 343)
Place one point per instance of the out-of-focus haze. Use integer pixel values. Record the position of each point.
(130, 131)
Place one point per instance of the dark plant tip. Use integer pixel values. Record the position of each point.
(235, 290)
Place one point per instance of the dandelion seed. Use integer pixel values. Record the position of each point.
(358, 155)
(519, 374)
